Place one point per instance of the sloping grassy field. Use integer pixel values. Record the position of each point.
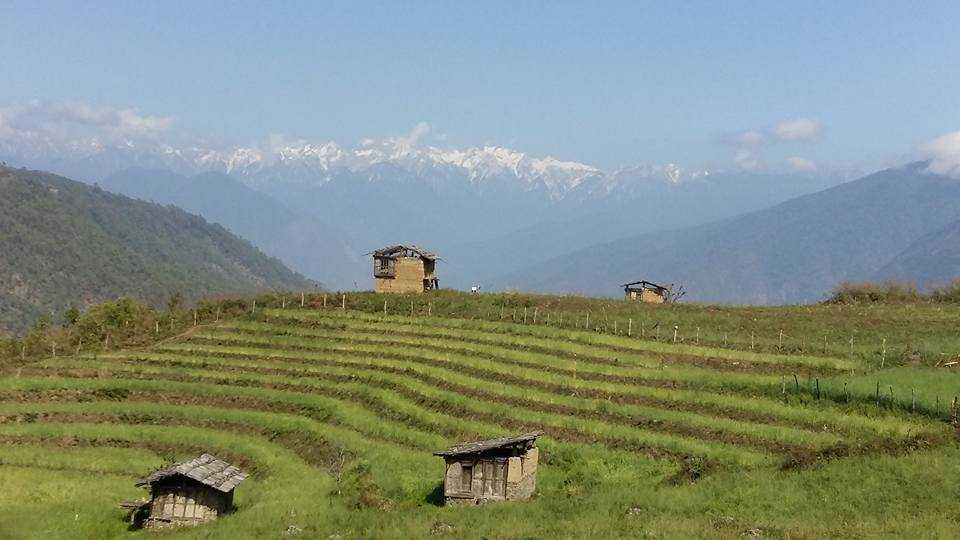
(336, 413)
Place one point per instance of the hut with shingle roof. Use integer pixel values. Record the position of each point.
(191, 492)
(491, 470)
(404, 269)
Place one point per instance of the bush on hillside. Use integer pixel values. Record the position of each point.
(947, 293)
(874, 292)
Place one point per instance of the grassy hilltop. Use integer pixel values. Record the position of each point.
(653, 427)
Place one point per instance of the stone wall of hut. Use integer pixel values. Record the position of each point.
(179, 504)
(474, 480)
(408, 277)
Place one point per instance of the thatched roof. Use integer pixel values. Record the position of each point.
(405, 250)
(521, 441)
(205, 469)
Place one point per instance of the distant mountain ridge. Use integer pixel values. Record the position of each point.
(65, 243)
(301, 240)
(792, 252)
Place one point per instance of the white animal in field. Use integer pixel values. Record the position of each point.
(475, 289)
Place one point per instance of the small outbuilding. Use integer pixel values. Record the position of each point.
(405, 269)
(645, 291)
(189, 493)
(491, 470)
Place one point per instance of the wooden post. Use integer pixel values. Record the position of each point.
(411, 308)
(614, 327)
(218, 314)
(780, 343)
(675, 330)
(724, 339)
(587, 326)
(384, 308)
(283, 302)
(698, 335)
(324, 299)
(536, 311)
(429, 309)
(195, 318)
(106, 341)
(883, 352)
(524, 315)
(303, 298)
(501, 312)
(54, 347)
(751, 341)
(343, 302)
(23, 351)
(158, 327)
(629, 327)
(254, 310)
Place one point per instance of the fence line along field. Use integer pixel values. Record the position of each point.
(336, 414)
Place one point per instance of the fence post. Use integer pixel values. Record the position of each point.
(302, 299)
(384, 308)
(501, 312)
(524, 314)
(614, 327)
(252, 310)
(675, 330)
(343, 302)
(629, 327)
(751, 341)
(195, 318)
(158, 327)
(283, 302)
(324, 299)
(536, 311)
(780, 342)
(883, 353)
(698, 335)
(218, 314)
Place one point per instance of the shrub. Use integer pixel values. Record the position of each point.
(947, 293)
(874, 292)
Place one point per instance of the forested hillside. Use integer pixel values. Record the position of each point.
(63, 244)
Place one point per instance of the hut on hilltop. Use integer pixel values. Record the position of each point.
(405, 269)
(645, 291)
(491, 470)
(188, 493)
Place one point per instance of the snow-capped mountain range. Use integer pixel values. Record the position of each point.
(315, 164)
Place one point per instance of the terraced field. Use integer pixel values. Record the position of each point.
(336, 414)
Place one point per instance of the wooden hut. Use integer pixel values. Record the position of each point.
(405, 269)
(191, 492)
(645, 291)
(492, 470)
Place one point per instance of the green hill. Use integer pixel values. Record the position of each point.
(336, 413)
(64, 243)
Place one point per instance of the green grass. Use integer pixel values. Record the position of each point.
(337, 413)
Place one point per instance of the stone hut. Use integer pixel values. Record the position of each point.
(405, 269)
(645, 291)
(190, 493)
(492, 470)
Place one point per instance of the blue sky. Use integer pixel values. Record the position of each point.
(700, 84)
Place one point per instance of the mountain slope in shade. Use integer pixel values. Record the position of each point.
(793, 252)
(651, 206)
(302, 241)
(66, 243)
(930, 261)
